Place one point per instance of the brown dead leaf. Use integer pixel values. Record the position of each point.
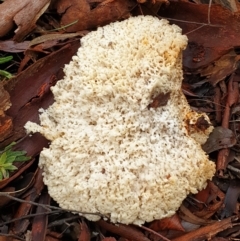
(219, 138)
(231, 199)
(109, 239)
(87, 18)
(127, 231)
(173, 223)
(190, 217)
(23, 13)
(13, 47)
(38, 78)
(84, 232)
(207, 42)
(160, 100)
(211, 200)
(222, 160)
(221, 68)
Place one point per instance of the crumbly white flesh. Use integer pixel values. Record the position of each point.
(109, 152)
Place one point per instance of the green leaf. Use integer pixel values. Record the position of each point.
(7, 157)
(5, 59)
(3, 158)
(22, 158)
(6, 74)
(4, 172)
(11, 168)
(10, 159)
(8, 148)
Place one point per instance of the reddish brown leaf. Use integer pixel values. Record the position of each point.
(85, 233)
(211, 199)
(190, 217)
(126, 231)
(222, 160)
(109, 239)
(167, 223)
(38, 78)
(207, 42)
(50, 238)
(87, 18)
(160, 100)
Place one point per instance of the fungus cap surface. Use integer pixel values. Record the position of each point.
(110, 151)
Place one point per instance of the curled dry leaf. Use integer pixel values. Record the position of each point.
(173, 223)
(23, 13)
(220, 138)
(221, 68)
(190, 217)
(79, 15)
(211, 199)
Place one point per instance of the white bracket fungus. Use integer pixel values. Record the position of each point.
(124, 141)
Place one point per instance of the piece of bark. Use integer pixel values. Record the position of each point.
(23, 13)
(39, 226)
(6, 125)
(25, 208)
(232, 98)
(207, 232)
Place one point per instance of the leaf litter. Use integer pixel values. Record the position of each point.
(47, 37)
